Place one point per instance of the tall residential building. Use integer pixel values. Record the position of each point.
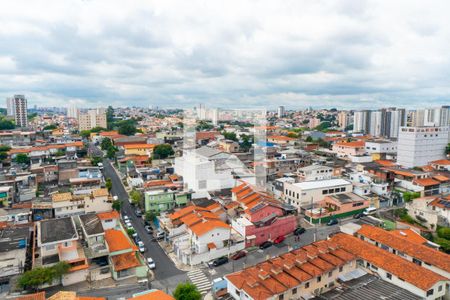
(215, 116)
(396, 119)
(439, 116)
(72, 111)
(20, 110)
(10, 106)
(376, 123)
(361, 121)
(343, 119)
(92, 118)
(281, 111)
(417, 146)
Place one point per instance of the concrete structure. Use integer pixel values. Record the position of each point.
(91, 119)
(13, 251)
(164, 200)
(380, 149)
(10, 106)
(361, 121)
(20, 110)
(281, 111)
(72, 112)
(343, 119)
(417, 146)
(315, 172)
(304, 193)
(434, 210)
(349, 149)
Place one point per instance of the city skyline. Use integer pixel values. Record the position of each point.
(334, 54)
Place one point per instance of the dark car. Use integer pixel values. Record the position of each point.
(148, 229)
(358, 216)
(332, 222)
(220, 261)
(238, 255)
(265, 245)
(138, 213)
(299, 230)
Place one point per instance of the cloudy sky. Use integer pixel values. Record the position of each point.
(345, 54)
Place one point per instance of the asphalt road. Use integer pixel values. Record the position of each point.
(165, 267)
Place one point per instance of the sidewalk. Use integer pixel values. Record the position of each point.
(173, 257)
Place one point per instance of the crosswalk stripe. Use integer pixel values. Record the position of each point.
(200, 280)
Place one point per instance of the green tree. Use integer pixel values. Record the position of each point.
(95, 160)
(22, 158)
(247, 142)
(106, 144)
(98, 129)
(309, 139)
(444, 243)
(110, 117)
(187, 291)
(4, 148)
(108, 184)
(230, 136)
(85, 133)
(6, 124)
(162, 151)
(111, 153)
(60, 152)
(130, 232)
(50, 127)
(3, 156)
(444, 232)
(150, 216)
(117, 205)
(136, 197)
(127, 127)
(292, 135)
(447, 149)
(40, 275)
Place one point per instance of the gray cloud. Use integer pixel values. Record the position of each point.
(173, 53)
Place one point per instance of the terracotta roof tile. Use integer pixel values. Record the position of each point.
(35, 296)
(125, 261)
(153, 295)
(406, 270)
(117, 240)
(109, 215)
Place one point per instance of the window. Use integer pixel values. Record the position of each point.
(440, 288)
(319, 278)
(389, 276)
(281, 297)
(341, 268)
(294, 290)
(430, 292)
(417, 262)
(306, 285)
(330, 274)
(324, 192)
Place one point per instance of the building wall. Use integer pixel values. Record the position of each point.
(281, 227)
(297, 197)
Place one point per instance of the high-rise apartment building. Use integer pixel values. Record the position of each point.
(72, 111)
(343, 118)
(417, 146)
(17, 106)
(376, 123)
(361, 121)
(10, 106)
(281, 111)
(439, 116)
(91, 119)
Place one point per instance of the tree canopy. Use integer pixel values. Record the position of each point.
(162, 151)
(6, 124)
(22, 158)
(40, 275)
(50, 127)
(186, 291)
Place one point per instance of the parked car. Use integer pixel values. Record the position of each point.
(239, 255)
(148, 229)
(299, 231)
(138, 213)
(141, 246)
(220, 261)
(125, 218)
(265, 245)
(332, 222)
(160, 235)
(369, 210)
(279, 239)
(151, 263)
(358, 216)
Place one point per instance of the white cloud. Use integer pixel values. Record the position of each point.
(243, 53)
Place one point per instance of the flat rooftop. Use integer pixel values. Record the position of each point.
(14, 238)
(91, 224)
(55, 230)
(311, 185)
(368, 287)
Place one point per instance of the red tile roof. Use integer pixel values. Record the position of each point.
(153, 295)
(406, 270)
(442, 162)
(426, 182)
(109, 215)
(354, 144)
(125, 261)
(117, 241)
(34, 296)
(204, 227)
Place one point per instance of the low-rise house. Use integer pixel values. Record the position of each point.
(299, 274)
(58, 240)
(164, 200)
(349, 149)
(420, 254)
(302, 194)
(336, 207)
(281, 140)
(14, 242)
(258, 217)
(441, 164)
(393, 268)
(124, 258)
(431, 211)
(229, 146)
(139, 149)
(152, 295)
(6, 196)
(198, 235)
(381, 149)
(315, 172)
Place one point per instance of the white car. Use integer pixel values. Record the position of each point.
(141, 246)
(125, 218)
(151, 263)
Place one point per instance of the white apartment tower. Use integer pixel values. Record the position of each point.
(361, 121)
(20, 110)
(93, 118)
(281, 111)
(343, 119)
(72, 112)
(10, 106)
(417, 146)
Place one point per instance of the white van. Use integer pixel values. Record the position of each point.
(369, 211)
